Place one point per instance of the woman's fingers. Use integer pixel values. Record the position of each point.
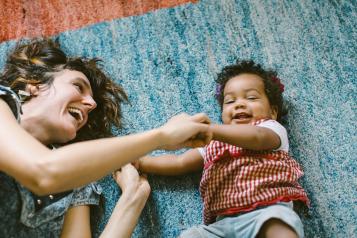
(129, 180)
(125, 175)
(204, 134)
(201, 117)
(136, 164)
(180, 129)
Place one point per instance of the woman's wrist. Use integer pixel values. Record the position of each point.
(135, 197)
(127, 211)
(160, 137)
(157, 138)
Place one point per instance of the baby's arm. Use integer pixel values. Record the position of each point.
(171, 164)
(247, 136)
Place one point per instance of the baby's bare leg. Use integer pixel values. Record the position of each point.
(275, 228)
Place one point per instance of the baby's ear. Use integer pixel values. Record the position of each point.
(274, 112)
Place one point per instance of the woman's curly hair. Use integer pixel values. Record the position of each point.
(37, 61)
(273, 87)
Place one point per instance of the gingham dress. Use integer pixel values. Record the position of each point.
(237, 180)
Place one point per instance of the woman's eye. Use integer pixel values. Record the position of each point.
(79, 87)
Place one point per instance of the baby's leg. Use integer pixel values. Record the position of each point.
(278, 220)
(276, 228)
(202, 231)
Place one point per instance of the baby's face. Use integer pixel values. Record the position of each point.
(245, 100)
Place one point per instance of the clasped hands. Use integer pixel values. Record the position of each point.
(184, 130)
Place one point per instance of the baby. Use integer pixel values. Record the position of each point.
(249, 180)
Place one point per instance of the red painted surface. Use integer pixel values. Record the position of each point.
(31, 18)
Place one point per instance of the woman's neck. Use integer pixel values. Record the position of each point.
(34, 126)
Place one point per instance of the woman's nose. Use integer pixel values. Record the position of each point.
(89, 102)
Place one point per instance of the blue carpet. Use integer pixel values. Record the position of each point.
(167, 61)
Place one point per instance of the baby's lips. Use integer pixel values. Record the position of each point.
(241, 115)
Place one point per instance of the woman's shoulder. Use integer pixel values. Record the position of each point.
(11, 98)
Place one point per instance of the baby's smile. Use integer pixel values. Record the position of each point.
(241, 117)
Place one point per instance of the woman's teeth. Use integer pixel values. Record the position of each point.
(76, 113)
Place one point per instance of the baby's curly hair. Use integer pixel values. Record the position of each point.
(37, 61)
(273, 87)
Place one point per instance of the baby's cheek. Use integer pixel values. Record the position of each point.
(225, 117)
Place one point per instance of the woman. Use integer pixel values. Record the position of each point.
(66, 100)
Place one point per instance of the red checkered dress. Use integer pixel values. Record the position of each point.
(237, 180)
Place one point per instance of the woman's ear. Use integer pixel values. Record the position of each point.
(30, 91)
(274, 112)
(33, 89)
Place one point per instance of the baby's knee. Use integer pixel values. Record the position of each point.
(276, 228)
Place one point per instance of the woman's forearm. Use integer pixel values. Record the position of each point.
(72, 166)
(125, 216)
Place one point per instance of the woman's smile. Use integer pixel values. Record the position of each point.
(63, 106)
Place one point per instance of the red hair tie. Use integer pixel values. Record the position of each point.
(277, 81)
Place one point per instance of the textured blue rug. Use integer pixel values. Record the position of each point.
(167, 61)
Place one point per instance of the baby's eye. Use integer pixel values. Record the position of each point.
(252, 97)
(229, 101)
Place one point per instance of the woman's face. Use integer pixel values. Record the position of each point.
(57, 111)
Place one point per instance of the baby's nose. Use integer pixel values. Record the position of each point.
(240, 103)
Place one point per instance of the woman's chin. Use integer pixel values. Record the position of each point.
(67, 135)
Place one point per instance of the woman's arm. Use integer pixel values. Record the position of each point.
(171, 164)
(45, 171)
(77, 222)
(135, 192)
(246, 136)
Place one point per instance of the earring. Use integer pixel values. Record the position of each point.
(24, 96)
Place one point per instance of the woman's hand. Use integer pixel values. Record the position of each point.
(131, 182)
(184, 130)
